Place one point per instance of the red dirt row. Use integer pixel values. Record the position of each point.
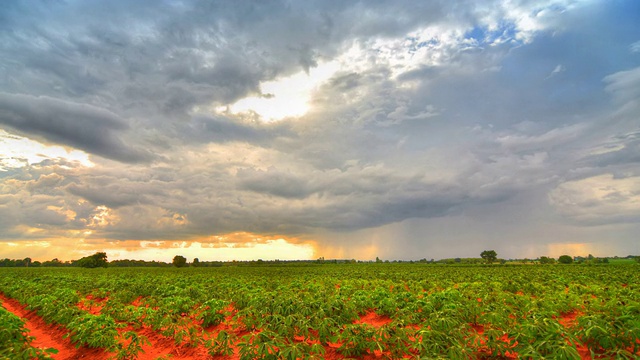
(49, 336)
(52, 336)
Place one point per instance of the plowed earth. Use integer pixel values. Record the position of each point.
(50, 336)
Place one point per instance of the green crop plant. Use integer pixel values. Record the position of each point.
(222, 344)
(133, 348)
(295, 310)
(94, 331)
(212, 312)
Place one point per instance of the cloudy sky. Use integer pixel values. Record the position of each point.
(299, 129)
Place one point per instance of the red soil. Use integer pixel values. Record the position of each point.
(370, 318)
(331, 349)
(92, 305)
(331, 353)
(227, 325)
(373, 319)
(569, 319)
(163, 346)
(49, 336)
(477, 328)
(138, 301)
(52, 336)
(479, 339)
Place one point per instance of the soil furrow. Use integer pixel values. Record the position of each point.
(50, 336)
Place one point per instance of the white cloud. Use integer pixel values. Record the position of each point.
(624, 85)
(598, 200)
(549, 139)
(18, 151)
(557, 70)
(284, 97)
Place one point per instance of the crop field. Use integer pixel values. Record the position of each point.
(329, 311)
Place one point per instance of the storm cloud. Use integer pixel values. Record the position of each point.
(82, 126)
(438, 128)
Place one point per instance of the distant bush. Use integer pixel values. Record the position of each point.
(565, 259)
(179, 261)
(547, 260)
(98, 259)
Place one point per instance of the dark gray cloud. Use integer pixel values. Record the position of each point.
(274, 182)
(223, 129)
(83, 126)
(111, 195)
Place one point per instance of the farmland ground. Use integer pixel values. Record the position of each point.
(361, 311)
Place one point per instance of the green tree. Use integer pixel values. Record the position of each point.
(489, 256)
(196, 262)
(98, 259)
(547, 260)
(565, 259)
(179, 261)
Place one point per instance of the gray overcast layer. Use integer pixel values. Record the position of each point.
(446, 127)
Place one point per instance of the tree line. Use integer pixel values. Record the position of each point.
(99, 259)
(96, 260)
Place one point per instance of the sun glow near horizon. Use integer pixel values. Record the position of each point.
(275, 249)
(240, 246)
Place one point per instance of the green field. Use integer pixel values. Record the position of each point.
(340, 311)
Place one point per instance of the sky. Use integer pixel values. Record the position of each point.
(239, 130)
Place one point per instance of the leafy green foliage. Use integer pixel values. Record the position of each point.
(98, 259)
(299, 312)
(221, 344)
(94, 331)
(565, 259)
(135, 342)
(179, 261)
(489, 256)
(547, 260)
(212, 312)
